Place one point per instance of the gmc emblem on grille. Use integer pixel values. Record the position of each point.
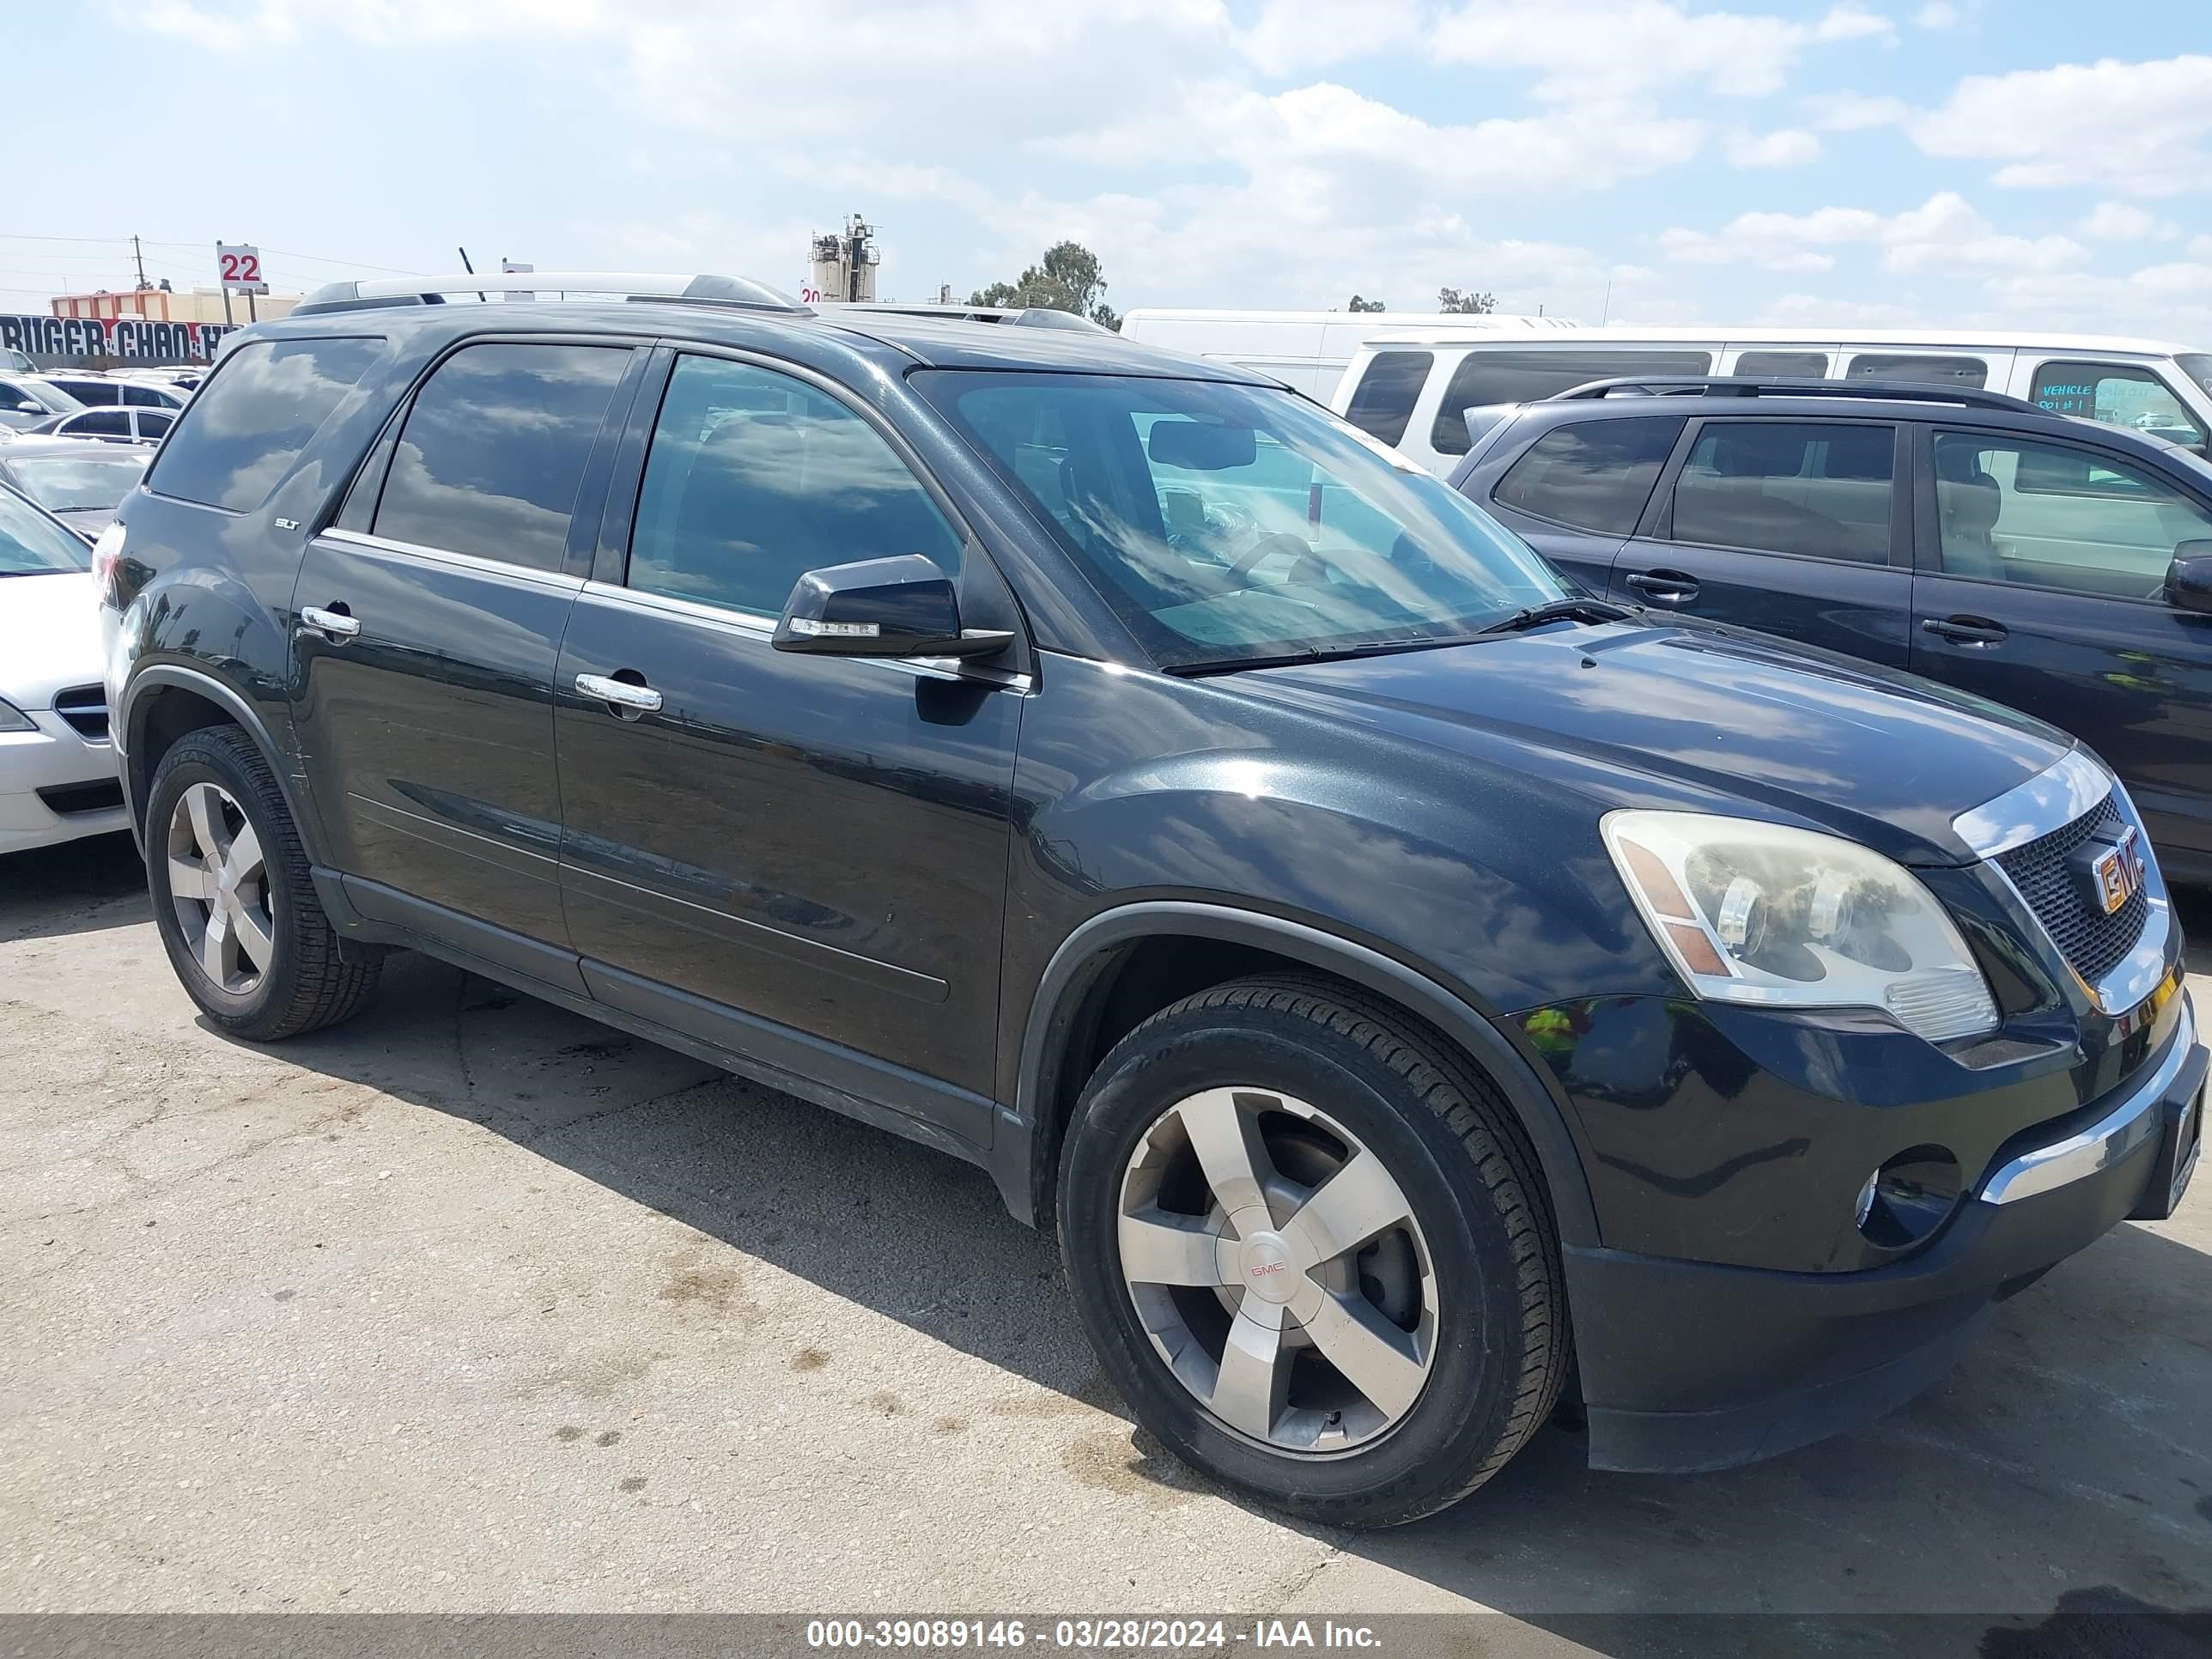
(2108, 870)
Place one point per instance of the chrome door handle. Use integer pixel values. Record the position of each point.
(621, 693)
(335, 623)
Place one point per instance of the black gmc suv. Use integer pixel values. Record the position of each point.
(1420, 995)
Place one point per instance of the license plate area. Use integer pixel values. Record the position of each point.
(2181, 1140)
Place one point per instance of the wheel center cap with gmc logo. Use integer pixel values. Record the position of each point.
(1263, 1262)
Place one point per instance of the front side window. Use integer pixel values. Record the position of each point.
(1592, 475)
(1918, 368)
(97, 423)
(1234, 524)
(152, 423)
(32, 545)
(2117, 394)
(94, 394)
(242, 433)
(1527, 377)
(756, 478)
(2058, 515)
(1807, 487)
(144, 397)
(492, 454)
(1383, 401)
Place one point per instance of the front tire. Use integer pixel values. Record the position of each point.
(1311, 1247)
(234, 899)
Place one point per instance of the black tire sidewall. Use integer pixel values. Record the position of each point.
(1466, 1406)
(195, 760)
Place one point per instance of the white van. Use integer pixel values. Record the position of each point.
(1310, 350)
(1413, 391)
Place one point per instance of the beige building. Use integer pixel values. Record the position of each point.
(162, 304)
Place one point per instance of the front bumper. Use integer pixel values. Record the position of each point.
(1689, 1365)
(56, 785)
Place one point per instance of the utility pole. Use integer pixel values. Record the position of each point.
(140, 259)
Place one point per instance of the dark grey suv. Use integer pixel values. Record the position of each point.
(1419, 995)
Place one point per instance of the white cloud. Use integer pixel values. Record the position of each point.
(2165, 302)
(1945, 234)
(2122, 222)
(1294, 36)
(1819, 310)
(2132, 128)
(1938, 15)
(1611, 49)
(1854, 112)
(1790, 147)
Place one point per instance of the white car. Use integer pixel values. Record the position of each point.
(58, 778)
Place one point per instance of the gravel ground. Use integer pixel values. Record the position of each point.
(472, 1305)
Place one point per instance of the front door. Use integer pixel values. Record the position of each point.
(2042, 585)
(801, 857)
(427, 638)
(1577, 493)
(1795, 527)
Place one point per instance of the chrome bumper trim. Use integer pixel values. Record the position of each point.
(2104, 1143)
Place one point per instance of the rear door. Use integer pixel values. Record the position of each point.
(2041, 580)
(801, 857)
(429, 618)
(1796, 527)
(1577, 493)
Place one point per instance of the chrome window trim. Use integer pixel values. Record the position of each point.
(2104, 1142)
(755, 625)
(2050, 800)
(558, 579)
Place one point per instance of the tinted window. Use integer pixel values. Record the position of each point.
(2197, 366)
(492, 454)
(153, 423)
(1788, 487)
(242, 433)
(1929, 371)
(2058, 515)
(1520, 377)
(98, 424)
(145, 397)
(1383, 401)
(756, 478)
(2118, 394)
(93, 394)
(33, 545)
(1594, 475)
(1783, 365)
(1230, 523)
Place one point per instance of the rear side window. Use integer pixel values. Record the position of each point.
(1594, 475)
(1521, 377)
(103, 394)
(1788, 487)
(1783, 365)
(1920, 370)
(153, 423)
(244, 431)
(1383, 401)
(492, 454)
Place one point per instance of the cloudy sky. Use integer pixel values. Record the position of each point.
(1942, 162)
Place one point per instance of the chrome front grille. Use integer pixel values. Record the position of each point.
(2093, 942)
(85, 707)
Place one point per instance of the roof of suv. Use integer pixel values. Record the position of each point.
(895, 340)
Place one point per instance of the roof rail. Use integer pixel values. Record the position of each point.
(738, 291)
(1730, 385)
(1018, 316)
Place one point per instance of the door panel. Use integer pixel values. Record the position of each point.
(1577, 492)
(2039, 562)
(818, 841)
(1794, 528)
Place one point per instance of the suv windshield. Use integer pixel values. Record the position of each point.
(33, 545)
(1236, 524)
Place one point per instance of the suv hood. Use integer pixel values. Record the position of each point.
(1701, 718)
(48, 636)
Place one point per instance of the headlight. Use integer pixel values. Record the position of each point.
(1763, 914)
(13, 719)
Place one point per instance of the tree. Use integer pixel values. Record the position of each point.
(1451, 299)
(1067, 278)
(1358, 304)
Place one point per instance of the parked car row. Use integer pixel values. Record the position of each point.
(119, 408)
(1417, 986)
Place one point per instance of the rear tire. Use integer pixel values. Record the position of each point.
(1374, 1323)
(233, 900)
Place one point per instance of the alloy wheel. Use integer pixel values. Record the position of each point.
(1279, 1269)
(219, 884)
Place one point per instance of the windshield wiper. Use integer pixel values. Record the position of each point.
(1573, 609)
(1301, 659)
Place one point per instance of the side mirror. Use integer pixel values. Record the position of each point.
(27, 407)
(896, 607)
(2189, 578)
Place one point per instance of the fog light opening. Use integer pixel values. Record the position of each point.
(1907, 1199)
